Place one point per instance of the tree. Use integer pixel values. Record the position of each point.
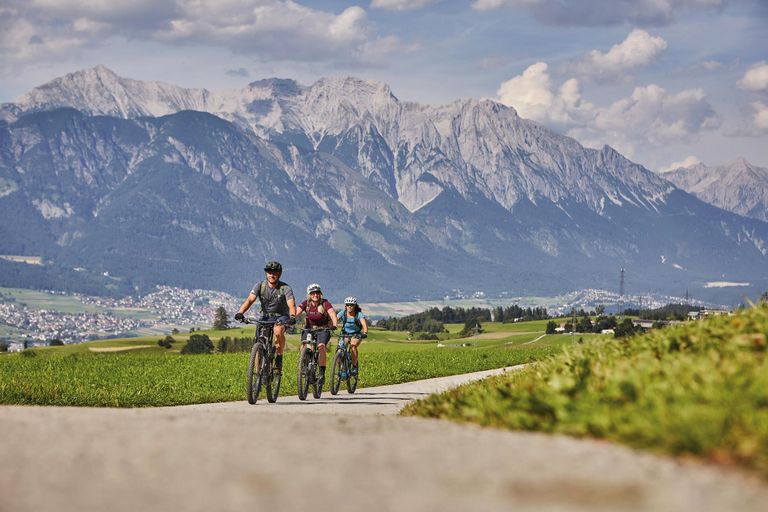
(764, 297)
(175, 331)
(551, 326)
(198, 344)
(3, 346)
(221, 319)
(472, 327)
(56, 343)
(626, 328)
(166, 342)
(599, 309)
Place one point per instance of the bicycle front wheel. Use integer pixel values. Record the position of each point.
(302, 376)
(351, 379)
(254, 379)
(336, 369)
(317, 384)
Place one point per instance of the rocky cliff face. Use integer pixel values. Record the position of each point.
(738, 187)
(347, 184)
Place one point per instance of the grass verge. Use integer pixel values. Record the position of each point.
(698, 389)
(139, 380)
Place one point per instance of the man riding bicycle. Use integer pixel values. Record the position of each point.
(353, 323)
(320, 314)
(277, 302)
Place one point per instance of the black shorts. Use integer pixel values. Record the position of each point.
(322, 337)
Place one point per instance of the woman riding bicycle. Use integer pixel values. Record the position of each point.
(320, 314)
(354, 324)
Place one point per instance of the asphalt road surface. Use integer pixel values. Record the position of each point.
(344, 453)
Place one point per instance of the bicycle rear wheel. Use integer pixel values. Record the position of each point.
(302, 376)
(336, 369)
(351, 379)
(254, 379)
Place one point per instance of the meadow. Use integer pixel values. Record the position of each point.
(136, 372)
(699, 389)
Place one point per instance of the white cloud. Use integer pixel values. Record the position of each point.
(600, 12)
(638, 49)
(756, 78)
(688, 161)
(760, 116)
(711, 65)
(649, 118)
(271, 30)
(400, 5)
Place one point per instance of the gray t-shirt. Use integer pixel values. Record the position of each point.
(275, 300)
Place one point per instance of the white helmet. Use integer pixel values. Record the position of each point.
(350, 301)
(314, 287)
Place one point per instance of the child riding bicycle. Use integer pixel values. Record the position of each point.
(353, 323)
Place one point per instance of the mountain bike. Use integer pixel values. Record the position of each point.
(261, 365)
(309, 372)
(341, 368)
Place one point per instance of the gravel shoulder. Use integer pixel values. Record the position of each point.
(351, 455)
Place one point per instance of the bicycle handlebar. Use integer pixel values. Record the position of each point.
(262, 322)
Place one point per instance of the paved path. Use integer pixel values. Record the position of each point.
(345, 454)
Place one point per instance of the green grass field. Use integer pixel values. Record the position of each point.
(696, 389)
(136, 372)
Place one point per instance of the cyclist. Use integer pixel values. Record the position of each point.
(320, 313)
(353, 322)
(277, 302)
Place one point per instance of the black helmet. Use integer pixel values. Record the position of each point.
(273, 266)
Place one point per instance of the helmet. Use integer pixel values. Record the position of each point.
(350, 301)
(314, 287)
(273, 266)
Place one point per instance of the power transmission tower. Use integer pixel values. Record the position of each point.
(621, 293)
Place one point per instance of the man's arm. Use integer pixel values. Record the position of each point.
(291, 306)
(247, 303)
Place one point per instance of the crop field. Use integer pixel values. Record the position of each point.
(697, 389)
(43, 300)
(136, 372)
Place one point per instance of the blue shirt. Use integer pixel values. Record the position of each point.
(350, 326)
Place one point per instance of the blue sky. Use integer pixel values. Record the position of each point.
(662, 81)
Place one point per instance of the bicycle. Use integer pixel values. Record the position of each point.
(261, 369)
(341, 368)
(309, 365)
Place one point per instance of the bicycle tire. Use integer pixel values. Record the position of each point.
(317, 388)
(351, 379)
(273, 382)
(302, 377)
(336, 368)
(254, 377)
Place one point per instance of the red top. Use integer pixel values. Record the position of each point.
(316, 318)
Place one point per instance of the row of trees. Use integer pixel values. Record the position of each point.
(668, 312)
(433, 319)
(585, 325)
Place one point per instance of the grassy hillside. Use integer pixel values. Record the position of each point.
(135, 372)
(700, 389)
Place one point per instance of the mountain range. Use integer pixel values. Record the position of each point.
(738, 187)
(147, 183)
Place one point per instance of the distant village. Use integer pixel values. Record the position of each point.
(167, 307)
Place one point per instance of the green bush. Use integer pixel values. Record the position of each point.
(198, 344)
